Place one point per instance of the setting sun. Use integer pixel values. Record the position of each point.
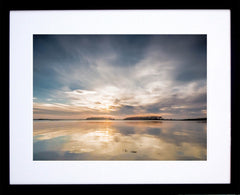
(107, 107)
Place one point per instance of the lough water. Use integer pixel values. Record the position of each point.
(119, 140)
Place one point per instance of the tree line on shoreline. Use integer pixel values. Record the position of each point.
(134, 118)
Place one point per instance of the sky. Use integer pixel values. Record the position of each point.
(81, 76)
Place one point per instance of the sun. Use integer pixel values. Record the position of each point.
(107, 107)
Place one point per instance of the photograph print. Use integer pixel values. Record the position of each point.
(120, 97)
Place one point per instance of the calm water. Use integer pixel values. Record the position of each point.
(119, 140)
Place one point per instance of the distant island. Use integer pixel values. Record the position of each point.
(187, 119)
(132, 118)
(100, 118)
(144, 118)
(160, 118)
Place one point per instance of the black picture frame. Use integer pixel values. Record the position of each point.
(232, 188)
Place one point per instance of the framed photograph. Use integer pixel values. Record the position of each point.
(120, 97)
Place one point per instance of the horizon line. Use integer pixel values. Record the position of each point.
(95, 118)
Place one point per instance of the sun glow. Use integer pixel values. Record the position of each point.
(107, 107)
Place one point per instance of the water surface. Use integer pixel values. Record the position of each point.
(119, 140)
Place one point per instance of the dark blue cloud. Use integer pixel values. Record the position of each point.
(189, 53)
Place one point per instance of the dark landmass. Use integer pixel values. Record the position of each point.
(100, 118)
(144, 118)
(188, 119)
(160, 118)
(130, 118)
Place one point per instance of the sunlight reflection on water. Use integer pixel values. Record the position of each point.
(119, 140)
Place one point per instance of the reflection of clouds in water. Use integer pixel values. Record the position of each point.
(45, 149)
(124, 140)
(190, 149)
(154, 131)
(126, 131)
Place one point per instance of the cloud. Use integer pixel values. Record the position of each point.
(121, 74)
